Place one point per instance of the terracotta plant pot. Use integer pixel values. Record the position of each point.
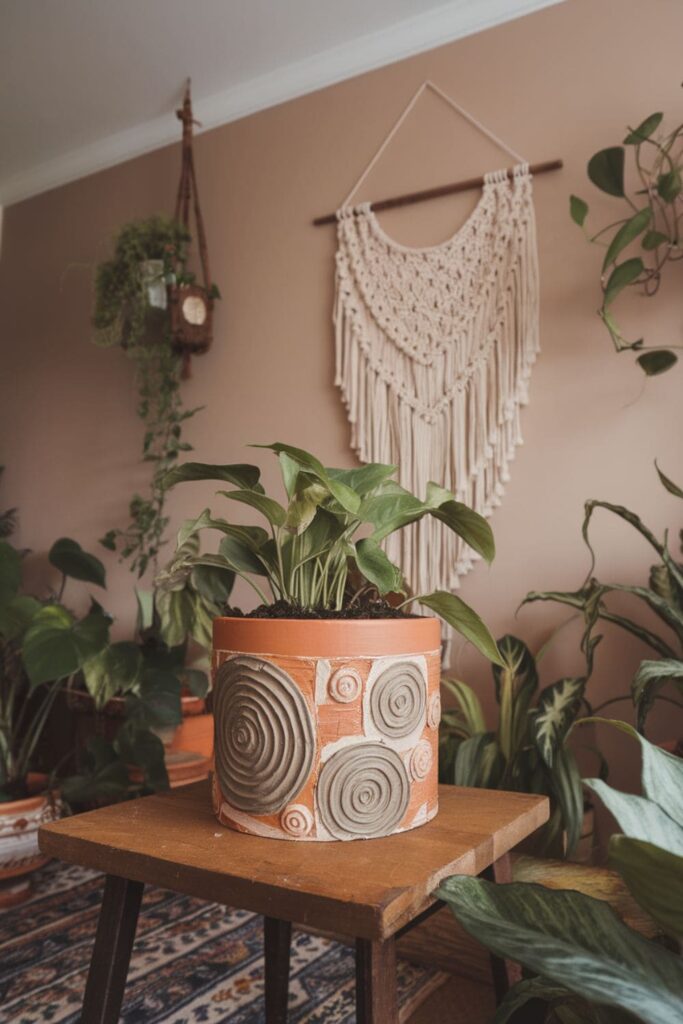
(19, 853)
(326, 729)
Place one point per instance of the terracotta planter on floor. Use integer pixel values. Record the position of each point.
(326, 729)
(19, 853)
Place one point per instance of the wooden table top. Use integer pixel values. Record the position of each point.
(368, 888)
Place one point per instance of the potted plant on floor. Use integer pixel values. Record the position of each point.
(42, 646)
(326, 698)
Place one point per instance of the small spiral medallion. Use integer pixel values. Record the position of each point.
(297, 820)
(421, 760)
(398, 699)
(363, 792)
(434, 711)
(265, 736)
(345, 685)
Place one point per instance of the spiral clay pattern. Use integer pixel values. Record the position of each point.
(363, 791)
(265, 736)
(421, 760)
(345, 685)
(398, 699)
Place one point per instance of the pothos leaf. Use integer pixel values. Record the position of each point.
(377, 567)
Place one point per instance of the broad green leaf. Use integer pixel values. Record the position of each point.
(671, 487)
(661, 774)
(578, 210)
(655, 879)
(623, 274)
(568, 791)
(469, 525)
(10, 571)
(212, 583)
(308, 496)
(566, 1008)
(464, 620)
(644, 130)
(571, 940)
(196, 680)
(468, 705)
(606, 170)
(242, 476)
(364, 479)
(56, 645)
(16, 616)
(346, 497)
(650, 678)
(290, 471)
(376, 566)
(657, 361)
(175, 609)
(70, 558)
(141, 747)
(105, 777)
(557, 708)
(639, 818)
(112, 672)
(201, 629)
(653, 239)
(388, 512)
(239, 556)
(626, 234)
(157, 703)
(145, 603)
(268, 507)
(669, 185)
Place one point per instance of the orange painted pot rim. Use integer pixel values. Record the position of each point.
(327, 638)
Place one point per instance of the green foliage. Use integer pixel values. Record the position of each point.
(310, 550)
(651, 223)
(663, 598)
(584, 958)
(527, 751)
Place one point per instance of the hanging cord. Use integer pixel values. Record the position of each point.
(458, 109)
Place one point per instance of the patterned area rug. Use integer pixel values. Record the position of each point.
(193, 962)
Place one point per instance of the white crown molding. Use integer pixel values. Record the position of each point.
(406, 38)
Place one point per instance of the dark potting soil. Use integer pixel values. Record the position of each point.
(365, 608)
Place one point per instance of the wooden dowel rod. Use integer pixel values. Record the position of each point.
(436, 193)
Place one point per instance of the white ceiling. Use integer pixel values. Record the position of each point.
(89, 83)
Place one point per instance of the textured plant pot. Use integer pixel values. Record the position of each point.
(19, 853)
(326, 729)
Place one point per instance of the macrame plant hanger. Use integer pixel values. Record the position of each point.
(191, 304)
(434, 349)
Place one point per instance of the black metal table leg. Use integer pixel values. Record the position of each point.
(111, 953)
(376, 997)
(277, 937)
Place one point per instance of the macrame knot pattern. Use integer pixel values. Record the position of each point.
(434, 350)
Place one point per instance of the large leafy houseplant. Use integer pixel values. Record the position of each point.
(583, 961)
(527, 750)
(311, 557)
(648, 228)
(661, 600)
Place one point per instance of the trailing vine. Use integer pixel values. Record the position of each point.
(124, 316)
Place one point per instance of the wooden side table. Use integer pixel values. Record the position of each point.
(373, 889)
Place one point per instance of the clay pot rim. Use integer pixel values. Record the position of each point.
(37, 781)
(328, 638)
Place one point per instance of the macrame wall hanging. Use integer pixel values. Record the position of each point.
(434, 350)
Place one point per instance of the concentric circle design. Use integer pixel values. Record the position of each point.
(421, 760)
(297, 820)
(398, 699)
(363, 792)
(434, 711)
(345, 685)
(265, 736)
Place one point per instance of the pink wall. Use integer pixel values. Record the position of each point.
(562, 82)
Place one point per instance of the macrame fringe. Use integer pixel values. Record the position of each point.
(434, 351)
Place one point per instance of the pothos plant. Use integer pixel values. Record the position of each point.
(312, 556)
(648, 226)
(584, 963)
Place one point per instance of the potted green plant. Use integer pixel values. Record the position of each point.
(584, 963)
(527, 750)
(42, 646)
(647, 227)
(326, 697)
